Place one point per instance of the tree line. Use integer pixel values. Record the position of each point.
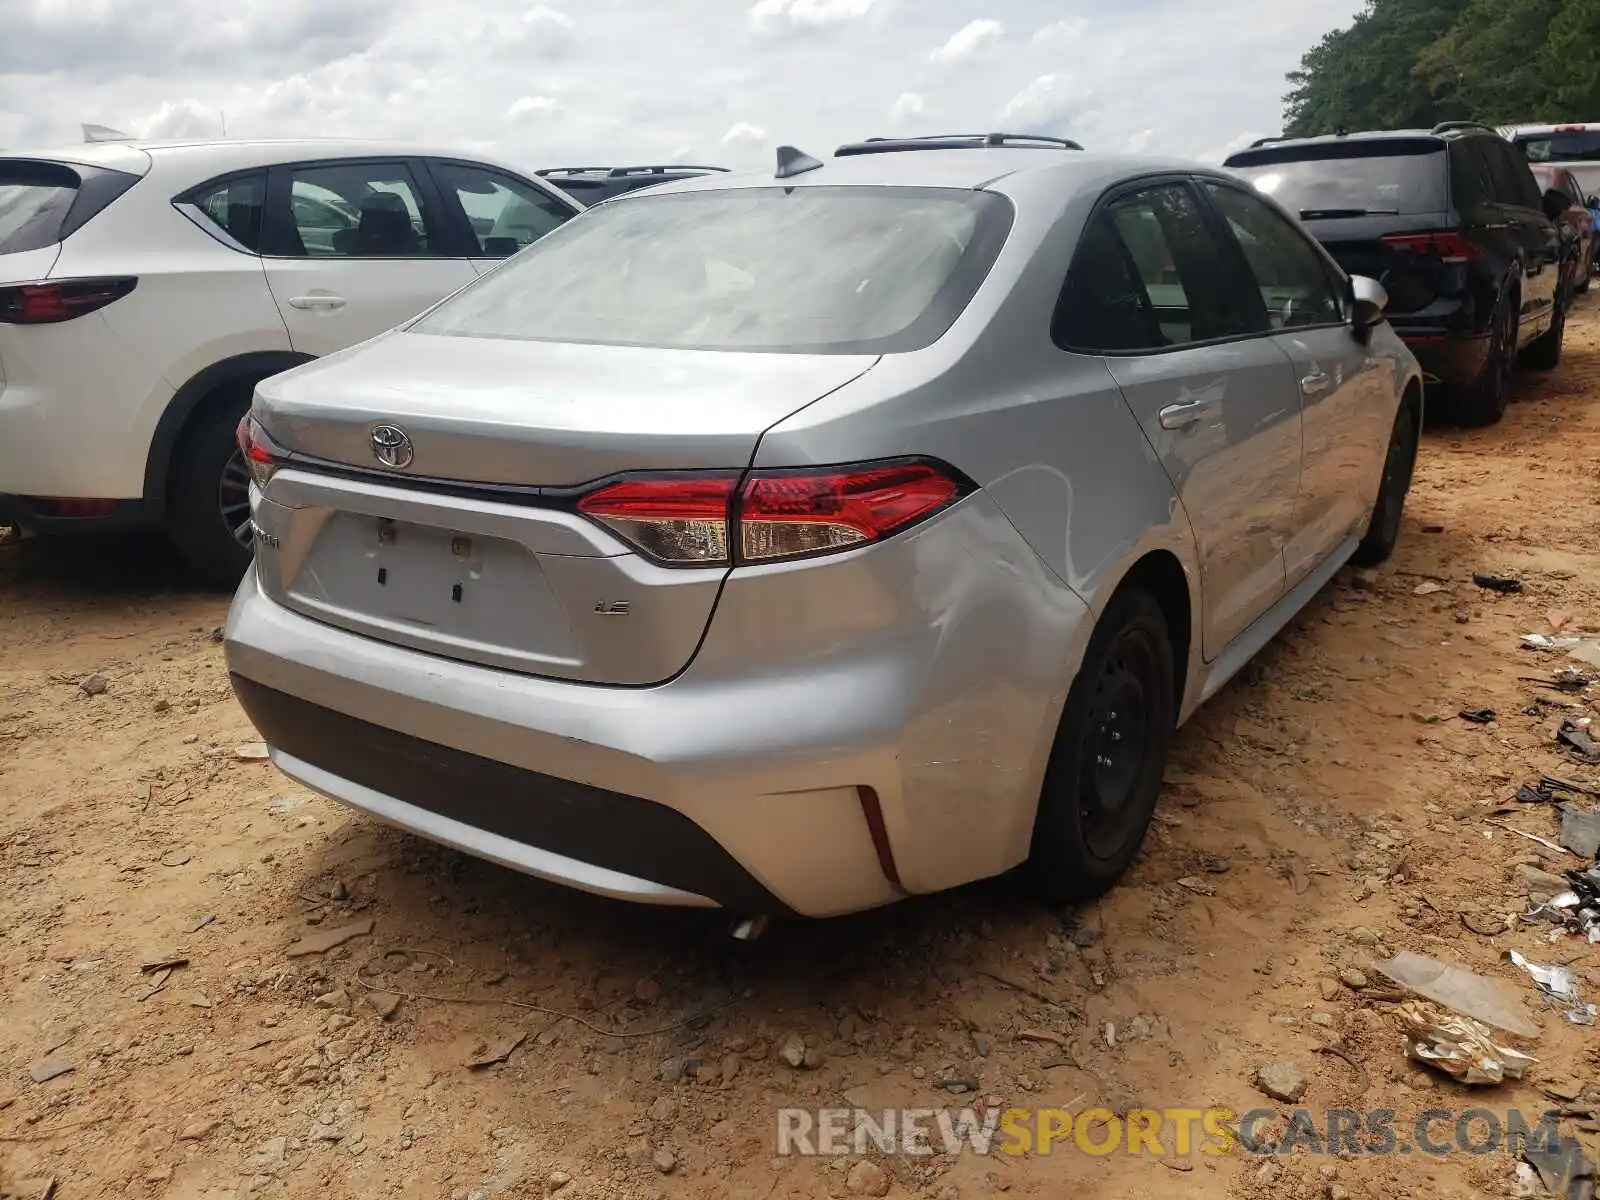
(1415, 63)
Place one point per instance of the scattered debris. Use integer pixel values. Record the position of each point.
(1485, 924)
(251, 752)
(198, 1130)
(175, 858)
(794, 1051)
(1353, 978)
(1042, 1035)
(1556, 982)
(327, 939)
(1193, 883)
(1468, 993)
(1543, 641)
(163, 964)
(489, 1054)
(1575, 734)
(1528, 795)
(1458, 1046)
(1427, 588)
(1532, 837)
(665, 1161)
(1283, 1081)
(1497, 583)
(47, 1069)
(867, 1178)
(386, 1004)
(1565, 1171)
(1478, 716)
(93, 685)
(1580, 831)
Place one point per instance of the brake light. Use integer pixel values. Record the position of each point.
(1570, 128)
(54, 302)
(709, 520)
(262, 455)
(1445, 245)
(788, 515)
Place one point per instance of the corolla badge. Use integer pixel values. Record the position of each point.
(391, 446)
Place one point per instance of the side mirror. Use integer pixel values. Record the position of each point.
(1556, 202)
(1592, 202)
(1370, 301)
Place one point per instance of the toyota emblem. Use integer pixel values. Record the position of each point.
(391, 446)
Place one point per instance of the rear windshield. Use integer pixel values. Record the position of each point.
(1581, 146)
(831, 270)
(34, 201)
(1349, 179)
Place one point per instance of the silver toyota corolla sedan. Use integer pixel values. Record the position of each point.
(803, 540)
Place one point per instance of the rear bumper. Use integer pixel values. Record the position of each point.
(1453, 359)
(39, 515)
(930, 670)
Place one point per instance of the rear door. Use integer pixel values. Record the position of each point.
(1155, 289)
(355, 247)
(496, 213)
(1346, 399)
(1537, 237)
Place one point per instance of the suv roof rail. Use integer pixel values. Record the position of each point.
(955, 141)
(1267, 141)
(1451, 126)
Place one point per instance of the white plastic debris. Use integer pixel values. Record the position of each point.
(1552, 981)
(1458, 1046)
(1479, 997)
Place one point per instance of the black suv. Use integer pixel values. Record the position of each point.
(1452, 223)
(594, 184)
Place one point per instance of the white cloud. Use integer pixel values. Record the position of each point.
(527, 106)
(967, 41)
(1061, 34)
(1137, 142)
(744, 134)
(650, 80)
(1050, 104)
(774, 16)
(907, 109)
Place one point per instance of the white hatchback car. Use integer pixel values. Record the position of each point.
(146, 288)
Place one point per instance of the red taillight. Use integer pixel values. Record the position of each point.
(1445, 245)
(261, 454)
(788, 515)
(685, 520)
(52, 303)
(681, 520)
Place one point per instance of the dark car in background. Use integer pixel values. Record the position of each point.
(1453, 224)
(590, 185)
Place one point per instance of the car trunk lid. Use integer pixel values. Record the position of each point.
(475, 550)
(1415, 270)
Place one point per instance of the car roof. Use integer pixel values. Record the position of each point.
(1440, 133)
(215, 155)
(966, 169)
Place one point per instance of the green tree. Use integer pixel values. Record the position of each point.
(1574, 49)
(1365, 77)
(1496, 63)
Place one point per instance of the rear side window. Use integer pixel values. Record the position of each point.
(1354, 178)
(358, 210)
(1513, 180)
(1151, 274)
(234, 206)
(504, 213)
(44, 202)
(1294, 281)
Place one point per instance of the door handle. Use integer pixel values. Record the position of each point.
(1182, 416)
(318, 301)
(1315, 383)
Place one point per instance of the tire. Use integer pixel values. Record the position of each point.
(1110, 752)
(208, 485)
(1544, 352)
(1484, 400)
(1383, 527)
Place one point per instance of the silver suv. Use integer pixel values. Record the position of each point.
(799, 541)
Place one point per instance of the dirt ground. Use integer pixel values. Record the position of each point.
(1328, 807)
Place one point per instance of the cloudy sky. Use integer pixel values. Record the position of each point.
(605, 81)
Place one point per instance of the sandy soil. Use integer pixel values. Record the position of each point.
(1325, 808)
